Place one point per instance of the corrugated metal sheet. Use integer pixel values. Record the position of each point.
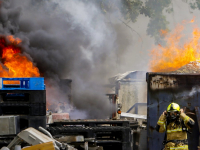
(9, 125)
(162, 89)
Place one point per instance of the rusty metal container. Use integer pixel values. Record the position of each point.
(164, 88)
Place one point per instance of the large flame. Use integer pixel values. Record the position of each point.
(13, 62)
(175, 54)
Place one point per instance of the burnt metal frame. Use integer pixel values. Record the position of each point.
(120, 130)
(136, 107)
(92, 123)
(197, 110)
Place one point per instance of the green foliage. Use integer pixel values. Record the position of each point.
(156, 24)
(147, 11)
(158, 20)
(169, 10)
(194, 4)
(198, 4)
(131, 9)
(154, 9)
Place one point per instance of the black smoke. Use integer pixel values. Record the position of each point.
(65, 39)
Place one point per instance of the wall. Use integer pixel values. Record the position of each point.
(132, 92)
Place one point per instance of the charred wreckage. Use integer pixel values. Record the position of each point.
(25, 123)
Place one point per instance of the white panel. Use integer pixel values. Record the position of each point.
(1, 83)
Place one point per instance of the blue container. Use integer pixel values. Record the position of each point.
(23, 84)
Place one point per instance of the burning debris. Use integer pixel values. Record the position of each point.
(191, 67)
(13, 62)
(59, 46)
(177, 52)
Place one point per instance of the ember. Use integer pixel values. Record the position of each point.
(13, 63)
(175, 55)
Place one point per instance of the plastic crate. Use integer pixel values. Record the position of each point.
(32, 121)
(23, 96)
(22, 84)
(23, 109)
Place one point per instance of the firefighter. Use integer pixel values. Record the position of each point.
(176, 124)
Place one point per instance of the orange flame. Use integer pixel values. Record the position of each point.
(175, 55)
(14, 63)
(163, 33)
(13, 40)
(192, 20)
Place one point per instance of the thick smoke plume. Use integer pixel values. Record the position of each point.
(74, 39)
(65, 39)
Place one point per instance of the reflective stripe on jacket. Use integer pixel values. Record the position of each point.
(178, 147)
(184, 147)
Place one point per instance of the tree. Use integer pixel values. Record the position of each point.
(131, 9)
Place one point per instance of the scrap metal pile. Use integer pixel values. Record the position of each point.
(104, 133)
(23, 110)
(34, 139)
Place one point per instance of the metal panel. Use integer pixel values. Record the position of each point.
(162, 89)
(142, 140)
(1, 83)
(198, 118)
(131, 93)
(133, 116)
(9, 125)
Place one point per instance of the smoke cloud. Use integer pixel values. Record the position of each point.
(194, 90)
(74, 39)
(65, 39)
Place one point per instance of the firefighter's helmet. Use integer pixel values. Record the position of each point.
(173, 107)
(173, 111)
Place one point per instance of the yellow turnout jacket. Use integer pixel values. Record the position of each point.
(175, 131)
